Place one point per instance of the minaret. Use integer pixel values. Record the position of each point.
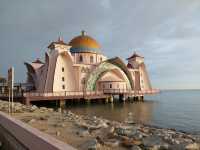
(58, 45)
(139, 73)
(135, 59)
(83, 32)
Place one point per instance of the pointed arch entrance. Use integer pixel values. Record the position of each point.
(115, 64)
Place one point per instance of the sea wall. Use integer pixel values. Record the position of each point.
(16, 135)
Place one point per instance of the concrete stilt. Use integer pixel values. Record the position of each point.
(62, 103)
(87, 101)
(136, 98)
(122, 98)
(141, 98)
(106, 100)
(111, 99)
(57, 103)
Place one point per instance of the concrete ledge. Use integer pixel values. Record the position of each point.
(29, 137)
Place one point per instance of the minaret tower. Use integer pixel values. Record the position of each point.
(138, 70)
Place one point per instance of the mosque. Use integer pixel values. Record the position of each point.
(80, 66)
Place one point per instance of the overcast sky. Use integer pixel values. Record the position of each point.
(165, 32)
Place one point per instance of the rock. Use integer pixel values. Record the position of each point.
(88, 126)
(131, 142)
(126, 132)
(193, 146)
(152, 140)
(135, 147)
(176, 147)
(83, 133)
(59, 110)
(90, 145)
(43, 118)
(63, 125)
(50, 109)
(111, 130)
(18, 109)
(160, 147)
(32, 121)
(112, 143)
(33, 108)
(57, 133)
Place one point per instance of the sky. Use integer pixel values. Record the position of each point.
(165, 32)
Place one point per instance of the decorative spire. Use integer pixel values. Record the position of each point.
(83, 33)
(60, 39)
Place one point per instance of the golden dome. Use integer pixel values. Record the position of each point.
(84, 43)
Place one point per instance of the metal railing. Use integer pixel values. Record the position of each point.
(90, 93)
(65, 93)
(126, 91)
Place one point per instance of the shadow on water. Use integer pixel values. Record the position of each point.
(169, 109)
(118, 111)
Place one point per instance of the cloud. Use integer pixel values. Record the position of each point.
(167, 33)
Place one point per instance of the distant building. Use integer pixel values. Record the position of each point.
(81, 66)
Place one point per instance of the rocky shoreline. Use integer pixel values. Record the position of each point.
(91, 132)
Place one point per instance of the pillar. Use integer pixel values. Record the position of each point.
(87, 101)
(141, 98)
(111, 99)
(62, 103)
(122, 98)
(106, 100)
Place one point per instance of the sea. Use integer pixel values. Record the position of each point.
(174, 109)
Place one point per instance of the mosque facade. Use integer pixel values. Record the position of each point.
(81, 66)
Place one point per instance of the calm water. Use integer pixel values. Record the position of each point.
(170, 109)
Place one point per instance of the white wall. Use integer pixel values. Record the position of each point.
(64, 61)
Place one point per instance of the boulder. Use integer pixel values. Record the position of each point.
(131, 142)
(152, 141)
(112, 143)
(126, 132)
(135, 147)
(90, 145)
(32, 121)
(58, 133)
(33, 108)
(83, 133)
(193, 146)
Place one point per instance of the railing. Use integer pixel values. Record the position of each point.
(125, 91)
(14, 94)
(90, 93)
(66, 93)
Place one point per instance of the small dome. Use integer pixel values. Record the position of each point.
(84, 43)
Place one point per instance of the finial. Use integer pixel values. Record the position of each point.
(82, 32)
(60, 39)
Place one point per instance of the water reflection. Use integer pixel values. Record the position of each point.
(141, 111)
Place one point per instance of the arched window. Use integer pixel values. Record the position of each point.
(110, 86)
(100, 59)
(91, 59)
(80, 58)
